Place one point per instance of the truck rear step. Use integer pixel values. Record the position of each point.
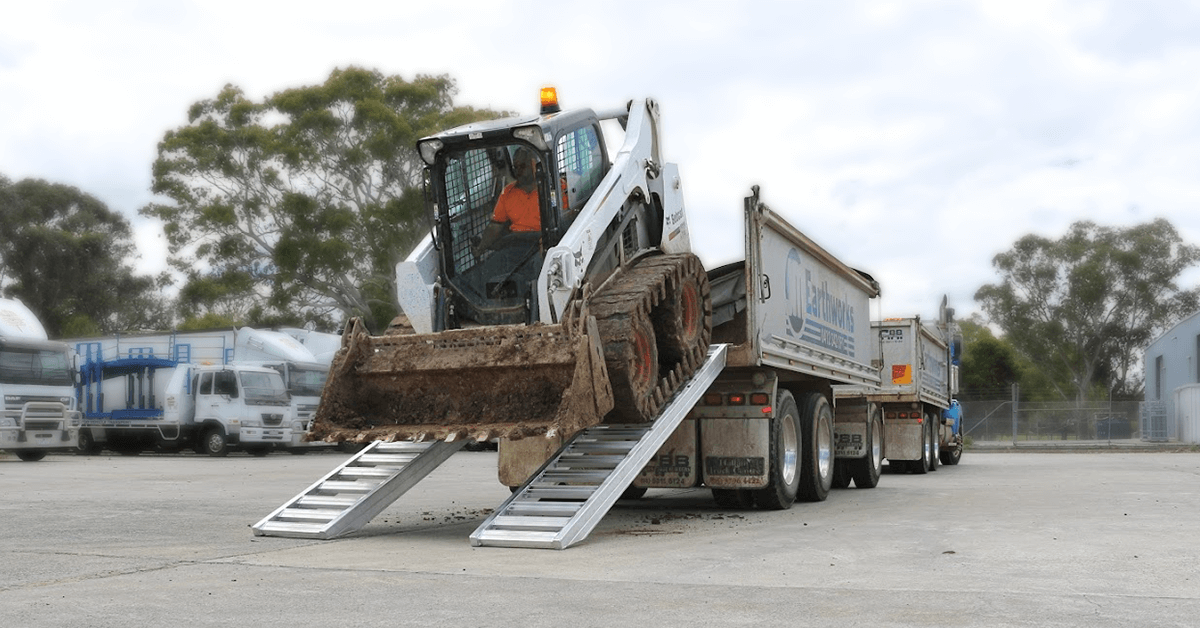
(587, 476)
(352, 494)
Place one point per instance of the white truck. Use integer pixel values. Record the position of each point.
(38, 387)
(920, 378)
(239, 351)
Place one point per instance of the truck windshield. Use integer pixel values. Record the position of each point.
(20, 365)
(264, 388)
(307, 382)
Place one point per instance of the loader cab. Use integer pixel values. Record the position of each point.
(468, 169)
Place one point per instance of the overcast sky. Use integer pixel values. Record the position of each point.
(913, 139)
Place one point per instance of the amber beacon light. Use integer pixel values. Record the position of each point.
(550, 100)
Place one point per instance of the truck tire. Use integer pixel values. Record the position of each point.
(733, 498)
(87, 444)
(816, 464)
(866, 470)
(921, 465)
(952, 454)
(784, 475)
(31, 455)
(214, 442)
(935, 441)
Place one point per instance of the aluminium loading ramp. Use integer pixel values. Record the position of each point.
(564, 500)
(352, 494)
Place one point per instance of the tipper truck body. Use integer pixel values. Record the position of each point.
(920, 379)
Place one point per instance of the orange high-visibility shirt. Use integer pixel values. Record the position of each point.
(518, 207)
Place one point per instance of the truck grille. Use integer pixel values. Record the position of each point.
(42, 425)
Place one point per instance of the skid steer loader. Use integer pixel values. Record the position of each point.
(598, 316)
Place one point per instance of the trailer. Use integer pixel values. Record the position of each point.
(920, 364)
(39, 413)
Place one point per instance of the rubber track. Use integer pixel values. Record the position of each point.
(635, 294)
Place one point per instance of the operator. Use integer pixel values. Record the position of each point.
(517, 209)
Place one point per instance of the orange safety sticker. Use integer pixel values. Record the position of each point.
(901, 373)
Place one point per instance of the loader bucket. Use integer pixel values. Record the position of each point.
(482, 383)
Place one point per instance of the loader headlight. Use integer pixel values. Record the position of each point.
(429, 150)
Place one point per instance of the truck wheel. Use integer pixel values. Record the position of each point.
(816, 468)
(952, 454)
(31, 455)
(87, 444)
(214, 442)
(733, 498)
(935, 441)
(866, 470)
(784, 475)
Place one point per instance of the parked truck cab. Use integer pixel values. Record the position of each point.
(36, 381)
(246, 407)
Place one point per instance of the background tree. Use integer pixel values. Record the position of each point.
(989, 365)
(67, 257)
(1083, 307)
(302, 204)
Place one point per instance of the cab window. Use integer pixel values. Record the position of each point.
(580, 167)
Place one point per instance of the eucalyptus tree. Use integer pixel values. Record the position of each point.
(303, 202)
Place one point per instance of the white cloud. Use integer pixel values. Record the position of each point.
(914, 139)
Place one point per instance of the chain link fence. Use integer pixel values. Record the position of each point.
(1025, 421)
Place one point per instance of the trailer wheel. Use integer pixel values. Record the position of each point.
(31, 455)
(866, 470)
(733, 498)
(935, 441)
(816, 470)
(784, 475)
(214, 442)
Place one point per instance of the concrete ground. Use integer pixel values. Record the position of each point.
(1004, 539)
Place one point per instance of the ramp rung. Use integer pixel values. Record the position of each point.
(594, 468)
(309, 514)
(348, 486)
(560, 492)
(509, 522)
(290, 529)
(544, 509)
(589, 476)
(589, 460)
(367, 472)
(516, 538)
(395, 460)
(326, 501)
